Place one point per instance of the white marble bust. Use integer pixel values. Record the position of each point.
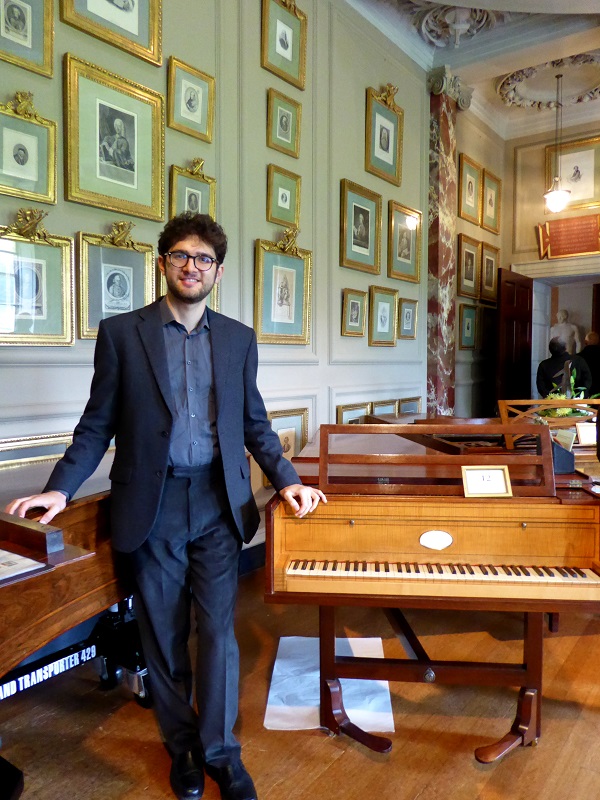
(565, 330)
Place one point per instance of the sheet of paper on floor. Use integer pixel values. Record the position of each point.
(293, 702)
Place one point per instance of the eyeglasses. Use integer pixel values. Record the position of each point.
(178, 260)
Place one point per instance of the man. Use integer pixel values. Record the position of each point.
(175, 384)
(550, 372)
(591, 355)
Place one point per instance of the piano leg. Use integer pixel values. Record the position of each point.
(526, 728)
(333, 713)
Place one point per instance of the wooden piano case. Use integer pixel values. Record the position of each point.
(379, 506)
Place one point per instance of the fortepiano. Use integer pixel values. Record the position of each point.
(395, 494)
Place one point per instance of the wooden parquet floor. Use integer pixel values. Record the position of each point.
(75, 742)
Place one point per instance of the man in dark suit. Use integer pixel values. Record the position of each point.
(175, 385)
(551, 371)
(591, 355)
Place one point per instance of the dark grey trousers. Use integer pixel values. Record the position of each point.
(191, 557)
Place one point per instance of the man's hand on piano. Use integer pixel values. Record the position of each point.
(53, 502)
(302, 499)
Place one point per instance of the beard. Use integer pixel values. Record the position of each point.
(190, 294)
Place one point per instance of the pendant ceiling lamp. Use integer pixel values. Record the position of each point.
(556, 197)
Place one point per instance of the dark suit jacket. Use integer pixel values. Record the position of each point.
(130, 400)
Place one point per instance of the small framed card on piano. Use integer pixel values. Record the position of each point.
(486, 481)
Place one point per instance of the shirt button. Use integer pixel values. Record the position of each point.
(194, 442)
(190, 389)
(188, 362)
(192, 416)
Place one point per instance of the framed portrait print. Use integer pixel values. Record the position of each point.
(282, 293)
(27, 33)
(489, 272)
(283, 40)
(360, 228)
(191, 100)
(115, 275)
(352, 413)
(491, 197)
(27, 151)
(36, 284)
(384, 407)
(192, 190)
(383, 314)
(132, 25)
(291, 426)
(383, 135)
(284, 117)
(283, 196)
(579, 167)
(409, 405)
(114, 145)
(469, 264)
(404, 242)
(467, 320)
(407, 318)
(469, 189)
(354, 312)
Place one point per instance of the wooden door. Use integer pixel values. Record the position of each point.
(513, 365)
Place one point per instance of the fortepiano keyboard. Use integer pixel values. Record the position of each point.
(407, 570)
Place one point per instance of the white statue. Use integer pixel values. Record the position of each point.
(566, 331)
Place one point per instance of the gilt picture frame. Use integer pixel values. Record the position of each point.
(27, 151)
(407, 318)
(27, 34)
(192, 190)
(469, 266)
(580, 170)
(113, 277)
(134, 26)
(283, 41)
(384, 132)
(354, 312)
(283, 196)
(284, 122)
(282, 294)
(490, 262)
(404, 242)
(383, 316)
(491, 202)
(467, 326)
(352, 413)
(36, 289)
(291, 426)
(114, 143)
(469, 189)
(360, 228)
(191, 100)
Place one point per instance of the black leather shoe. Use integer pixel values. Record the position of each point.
(187, 778)
(233, 781)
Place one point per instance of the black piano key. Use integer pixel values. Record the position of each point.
(407, 567)
(304, 564)
(295, 563)
(483, 568)
(416, 567)
(377, 566)
(325, 564)
(548, 571)
(386, 565)
(461, 569)
(580, 573)
(470, 570)
(506, 569)
(313, 564)
(440, 569)
(364, 566)
(334, 566)
(493, 569)
(516, 570)
(538, 571)
(571, 572)
(347, 566)
(452, 569)
(430, 568)
(562, 572)
(525, 571)
(356, 566)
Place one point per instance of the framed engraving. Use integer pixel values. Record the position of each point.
(284, 117)
(131, 25)
(283, 196)
(383, 315)
(291, 426)
(191, 100)
(360, 228)
(192, 190)
(282, 292)
(384, 134)
(36, 283)
(352, 413)
(27, 33)
(469, 266)
(115, 275)
(27, 152)
(384, 407)
(115, 143)
(407, 318)
(354, 312)
(404, 242)
(491, 198)
(283, 40)
(490, 261)
(579, 168)
(467, 322)
(469, 189)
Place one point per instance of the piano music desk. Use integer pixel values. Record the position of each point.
(535, 552)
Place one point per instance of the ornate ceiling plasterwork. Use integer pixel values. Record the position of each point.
(534, 87)
(444, 25)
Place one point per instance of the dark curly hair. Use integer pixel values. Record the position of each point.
(189, 224)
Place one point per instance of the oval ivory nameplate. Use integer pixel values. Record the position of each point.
(436, 540)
